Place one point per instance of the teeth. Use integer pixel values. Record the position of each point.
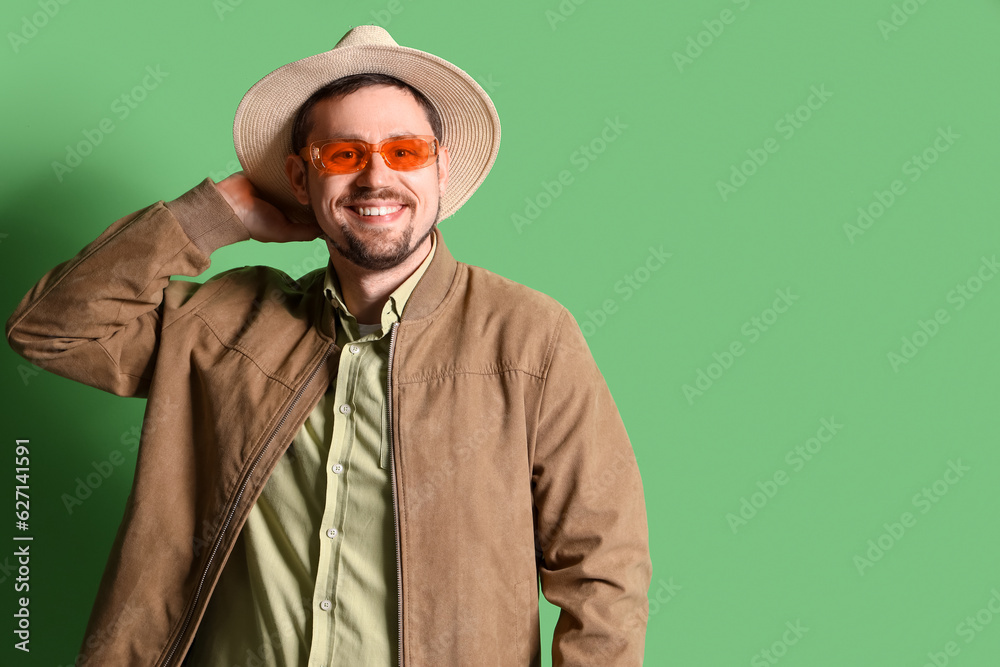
(377, 210)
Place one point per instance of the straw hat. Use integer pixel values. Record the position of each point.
(262, 130)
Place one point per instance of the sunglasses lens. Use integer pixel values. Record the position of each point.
(403, 154)
(342, 157)
(407, 154)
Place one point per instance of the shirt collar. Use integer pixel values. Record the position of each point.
(393, 308)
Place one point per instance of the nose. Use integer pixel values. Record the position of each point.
(376, 173)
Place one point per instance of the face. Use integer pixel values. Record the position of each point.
(349, 207)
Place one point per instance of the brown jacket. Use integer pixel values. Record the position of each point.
(509, 457)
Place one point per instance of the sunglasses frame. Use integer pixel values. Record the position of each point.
(311, 153)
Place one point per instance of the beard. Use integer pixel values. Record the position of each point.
(381, 256)
(375, 251)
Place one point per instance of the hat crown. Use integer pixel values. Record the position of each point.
(366, 35)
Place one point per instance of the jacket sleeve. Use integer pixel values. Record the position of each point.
(591, 513)
(97, 317)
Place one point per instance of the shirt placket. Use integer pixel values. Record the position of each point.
(359, 351)
(335, 520)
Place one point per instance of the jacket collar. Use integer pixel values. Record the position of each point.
(426, 296)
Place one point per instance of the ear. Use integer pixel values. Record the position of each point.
(444, 162)
(295, 169)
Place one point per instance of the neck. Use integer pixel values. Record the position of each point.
(366, 291)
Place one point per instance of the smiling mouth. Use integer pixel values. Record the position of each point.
(375, 211)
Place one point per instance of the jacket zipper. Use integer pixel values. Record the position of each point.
(243, 486)
(395, 506)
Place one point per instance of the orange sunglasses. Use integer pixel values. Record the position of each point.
(347, 156)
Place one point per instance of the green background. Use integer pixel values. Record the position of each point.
(722, 591)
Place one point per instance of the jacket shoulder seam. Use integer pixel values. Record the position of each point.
(206, 291)
(550, 350)
(243, 351)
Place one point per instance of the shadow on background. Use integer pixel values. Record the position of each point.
(82, 444)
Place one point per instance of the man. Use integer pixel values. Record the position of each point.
(374, 464)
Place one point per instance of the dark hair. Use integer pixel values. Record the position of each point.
(350, 84)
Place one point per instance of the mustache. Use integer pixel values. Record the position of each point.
(367, 194)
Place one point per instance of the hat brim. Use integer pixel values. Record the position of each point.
(262, 129)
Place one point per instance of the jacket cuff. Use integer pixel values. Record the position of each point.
(207, 218)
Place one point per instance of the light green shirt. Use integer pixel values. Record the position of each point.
(311, 580)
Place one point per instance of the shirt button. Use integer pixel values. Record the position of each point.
(325, 605)
(337, 468)
(354, 349)
(345, 409)
(331, 533)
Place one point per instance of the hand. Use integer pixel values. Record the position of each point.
(262, 219)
